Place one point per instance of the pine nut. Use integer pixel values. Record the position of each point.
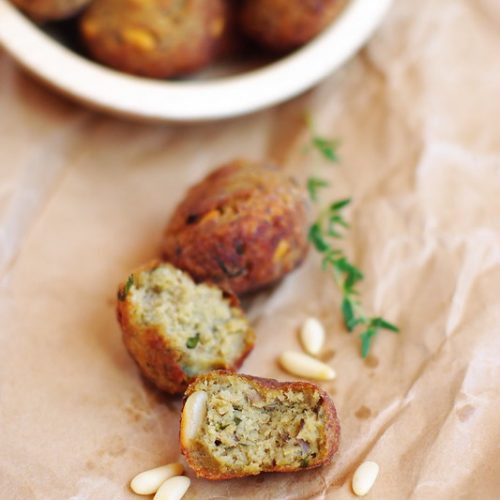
(312, 336)
(193, 414)
(173, 489)
(149, 481)
(364, 478)
(302, 365)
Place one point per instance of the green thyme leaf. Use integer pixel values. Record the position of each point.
(304, 463)
(314, 184)
(122, 294)
(339, 205)
(366, 341)
(351, 281)
(349, 314)
(237, 420)
(327, 147)
(192, 342)
(343, 265)
(382, 323)
(315, 236)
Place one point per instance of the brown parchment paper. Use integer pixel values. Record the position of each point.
(84, 198)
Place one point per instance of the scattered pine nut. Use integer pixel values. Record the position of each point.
(364, 478)
(149, 481)
(312, 336)
(193, 414)
(173, 489)
(302, 365)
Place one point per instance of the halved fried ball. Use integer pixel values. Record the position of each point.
(176, 329)
(243, 227)
(155, 38)
(237, 425)
(51, 10)
(284, 25)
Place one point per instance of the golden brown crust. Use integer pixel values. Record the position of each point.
(332, 428)
(232, 41)
(154, 38)
(283, 25)
(51, 10)
(243, 227)
(156, 358)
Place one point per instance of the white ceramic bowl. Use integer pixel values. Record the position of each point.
(188, 100)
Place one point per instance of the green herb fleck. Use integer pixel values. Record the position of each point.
(192, 342)
(304, 462)
(237, 420)
(122, 294)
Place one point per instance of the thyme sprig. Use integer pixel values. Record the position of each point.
(324, 234)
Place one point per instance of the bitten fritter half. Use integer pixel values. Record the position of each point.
(243, 227)
(238, 425)
(176, 329)
(154, 38)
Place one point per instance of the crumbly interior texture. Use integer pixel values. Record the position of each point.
(195, 319)
(251, 430)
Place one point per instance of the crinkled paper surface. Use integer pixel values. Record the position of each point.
(84, 198)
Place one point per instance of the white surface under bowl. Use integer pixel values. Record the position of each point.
(187, 100)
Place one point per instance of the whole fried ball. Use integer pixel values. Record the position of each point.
(154, 38)
(51, 10)
(243, 227)
(284, 25)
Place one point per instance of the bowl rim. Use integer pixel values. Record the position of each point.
(117, 93)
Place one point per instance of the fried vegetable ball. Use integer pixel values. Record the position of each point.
(284, 25)
(51, 10)
(154, 38)
(237, 425)
(175, 329)
(243, 227)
